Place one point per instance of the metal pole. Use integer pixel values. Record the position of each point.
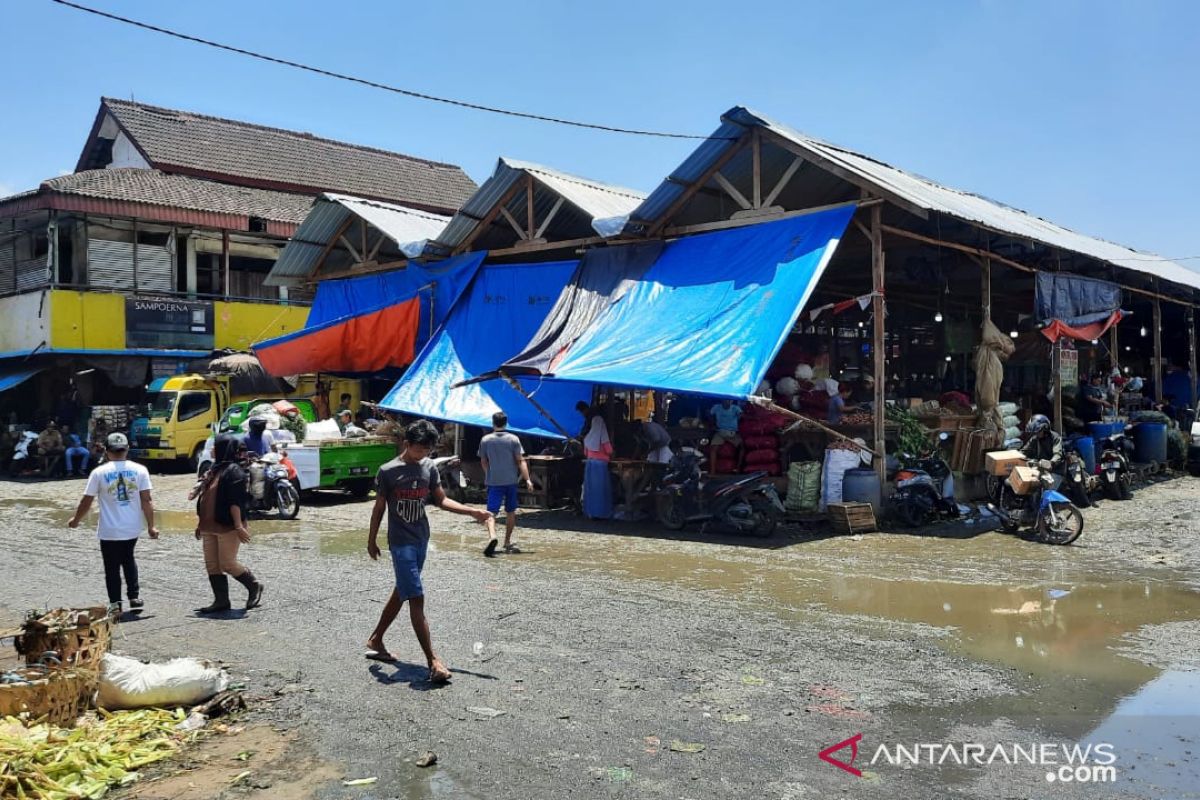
(225, 261)
(878, 342)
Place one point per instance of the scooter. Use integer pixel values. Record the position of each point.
(748, 504)
(454, 481)
(1077, 482)
(271, 487)
(920, 496)
(1049, 515)
(1116, 478)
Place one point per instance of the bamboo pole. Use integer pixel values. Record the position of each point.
(1056, 365)
(800, 418)
(540, 408)
(1191, 330)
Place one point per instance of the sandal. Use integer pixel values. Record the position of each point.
(511, 548)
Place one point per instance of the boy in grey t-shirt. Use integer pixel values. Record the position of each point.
(403, 487)
(504, 464)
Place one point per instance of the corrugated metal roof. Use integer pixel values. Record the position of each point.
(408, 228)
(914, 189)
(605, 205)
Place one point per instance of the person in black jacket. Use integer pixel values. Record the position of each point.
(221, 499)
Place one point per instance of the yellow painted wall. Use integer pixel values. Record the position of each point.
(96, 321)
(87, 320)
(239, 325)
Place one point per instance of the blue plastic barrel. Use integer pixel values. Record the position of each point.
(1150, 442)
(1086, 446)
(1102, 430)
(862, 486)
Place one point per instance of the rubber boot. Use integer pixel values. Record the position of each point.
(220, 588)
(254, 589)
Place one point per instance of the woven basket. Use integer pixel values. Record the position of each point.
(83, 645)
(55, 696)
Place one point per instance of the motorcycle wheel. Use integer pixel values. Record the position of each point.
(994, 486)
(287, 501)
(766, 517)
(1124, 486)
(670, 512)
(1060, 523)
(1112, 490)
(910, 514)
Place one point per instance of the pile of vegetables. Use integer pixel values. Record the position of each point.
(912, 437)
(51, 763)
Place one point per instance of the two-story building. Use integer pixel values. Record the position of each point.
(154, 252)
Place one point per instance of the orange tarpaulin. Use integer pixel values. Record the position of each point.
(1058, 329)
(366, 343)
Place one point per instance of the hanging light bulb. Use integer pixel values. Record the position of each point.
(948, 358)
(1127, 348)
(1013, 333)
(1093, 341)
(1143, 330)
(938, 318)
(860, 323)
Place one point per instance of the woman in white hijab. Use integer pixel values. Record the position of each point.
(597, 485)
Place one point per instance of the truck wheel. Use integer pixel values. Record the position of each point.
(359, 488)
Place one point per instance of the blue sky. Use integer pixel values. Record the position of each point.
(1082, 112)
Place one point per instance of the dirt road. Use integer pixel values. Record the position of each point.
(611, 661)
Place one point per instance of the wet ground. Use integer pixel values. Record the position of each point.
(615, 653)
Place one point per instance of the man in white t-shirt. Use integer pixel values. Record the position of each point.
(123, 489)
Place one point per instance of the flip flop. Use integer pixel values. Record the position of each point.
(380, 655)
(511, 548)
(490, 550)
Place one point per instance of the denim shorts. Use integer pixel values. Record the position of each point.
(506, 495)
(407, 561)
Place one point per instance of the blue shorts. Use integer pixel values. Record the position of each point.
(502, 494)
(407, 561)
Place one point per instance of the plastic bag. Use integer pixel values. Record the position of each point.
(836, 464)
(128, 683)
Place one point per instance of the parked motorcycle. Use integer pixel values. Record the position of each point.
(1077, 483)
(1051, 517)
(1116, 477)
(454, 481)
(747, 504)
(920, 496)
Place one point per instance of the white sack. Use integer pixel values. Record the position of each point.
(128, 683)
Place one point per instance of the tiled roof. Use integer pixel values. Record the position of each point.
(152, 187)
(180, 141)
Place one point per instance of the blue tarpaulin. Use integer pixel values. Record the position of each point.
(15, 376)
(493, 319)
(707, 317)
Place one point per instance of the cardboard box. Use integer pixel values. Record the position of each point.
(999, 463)
(1023, 479)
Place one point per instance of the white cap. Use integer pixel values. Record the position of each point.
(117, 441)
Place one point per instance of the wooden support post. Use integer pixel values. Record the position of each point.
(225, 261)
(1056, 365)
(985, 267)
(135, 256)
(878, 342)
(1114, 347)
(1190, 316)
(1157, 371)
(530, 222)
(756, 143)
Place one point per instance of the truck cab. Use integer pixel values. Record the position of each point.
(181, 413)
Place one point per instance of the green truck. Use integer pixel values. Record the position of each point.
(348, 464)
